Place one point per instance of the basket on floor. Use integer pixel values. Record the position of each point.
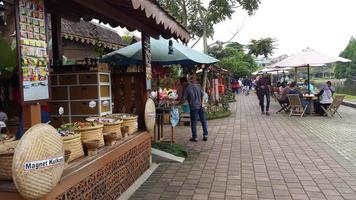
(129, 120)
(73, 144)
(91, 133)
(109, 127)
(6, 156)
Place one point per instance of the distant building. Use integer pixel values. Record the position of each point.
(265, 62)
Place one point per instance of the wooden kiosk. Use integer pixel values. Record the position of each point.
(114, 169)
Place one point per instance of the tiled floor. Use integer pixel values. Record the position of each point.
(253, 156)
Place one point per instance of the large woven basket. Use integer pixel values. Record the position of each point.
(38, 162)
(92, 133)
(6, 156)
(73, 144)
(129, 120)
(110, 127)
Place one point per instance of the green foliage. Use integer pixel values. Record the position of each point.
(347, 70)
(127, 39)
(218, 114)
(237, 46)
(175, 149)
(219, 51)
(238, 63)
(8, 57)
(186, 11)
(263, 47)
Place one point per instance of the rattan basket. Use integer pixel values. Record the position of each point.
(92, 133)
(73, 144)
(129, 120)
(6, 156)
(40, 144)
(110, 127)
(12, 125)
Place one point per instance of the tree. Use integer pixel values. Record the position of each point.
(232, 57)
(347, 70)
(200, 20)
(263, 47)
(237, 46)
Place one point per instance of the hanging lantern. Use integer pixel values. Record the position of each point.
(2, 14)
(170, 47)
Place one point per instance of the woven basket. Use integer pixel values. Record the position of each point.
(92, 133)
(129, 120)
(41, 142)
(109, 127)
(6, 156)
(12, 125)
(73, 144)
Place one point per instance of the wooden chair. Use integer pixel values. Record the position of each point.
(284, 105)
(296, 106)
(334, 106)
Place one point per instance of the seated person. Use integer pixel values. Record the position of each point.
(294, 90)
(282, 95)
(325, 99)
(305, 87)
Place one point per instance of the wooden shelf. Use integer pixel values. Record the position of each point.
(76, 90)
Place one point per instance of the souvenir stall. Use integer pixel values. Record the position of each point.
(166, 55)
(95, 153)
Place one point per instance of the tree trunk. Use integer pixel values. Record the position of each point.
(205, 43)
(185, 15)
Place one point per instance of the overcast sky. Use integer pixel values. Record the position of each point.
(325, 25)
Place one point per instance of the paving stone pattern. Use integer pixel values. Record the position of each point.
(253, 156)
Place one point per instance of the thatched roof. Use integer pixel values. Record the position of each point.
(91, 33)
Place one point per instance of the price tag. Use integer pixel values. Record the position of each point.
(61, 110)
(92, 104)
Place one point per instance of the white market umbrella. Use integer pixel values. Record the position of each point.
(308, 58)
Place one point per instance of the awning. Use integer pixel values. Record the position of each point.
(142, 15)
(218, 69)
(180, 54)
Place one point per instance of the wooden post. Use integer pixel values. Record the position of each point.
(31, 115)
(205, 77)
(57, 48)
(296, 75)
(146, 61)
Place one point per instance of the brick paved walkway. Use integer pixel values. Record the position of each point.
(253, 156)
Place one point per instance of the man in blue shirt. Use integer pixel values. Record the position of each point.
(195, 97)
(305, 86)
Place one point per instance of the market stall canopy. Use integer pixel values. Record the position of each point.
(308, 57)
(161, 54)
(264, 70)
(143, 15)
(218, 69)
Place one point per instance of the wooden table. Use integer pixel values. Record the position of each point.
(160, 112)
(311, 99)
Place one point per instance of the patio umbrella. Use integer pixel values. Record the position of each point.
(161, 54)
(308, 58)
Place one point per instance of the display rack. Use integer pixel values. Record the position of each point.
(74, 92)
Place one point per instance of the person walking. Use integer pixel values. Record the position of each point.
(247, 85)
(264, 90)
(195, 97)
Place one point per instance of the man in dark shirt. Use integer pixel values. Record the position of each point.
(195, 97)
(264, 89)
(247, 85)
